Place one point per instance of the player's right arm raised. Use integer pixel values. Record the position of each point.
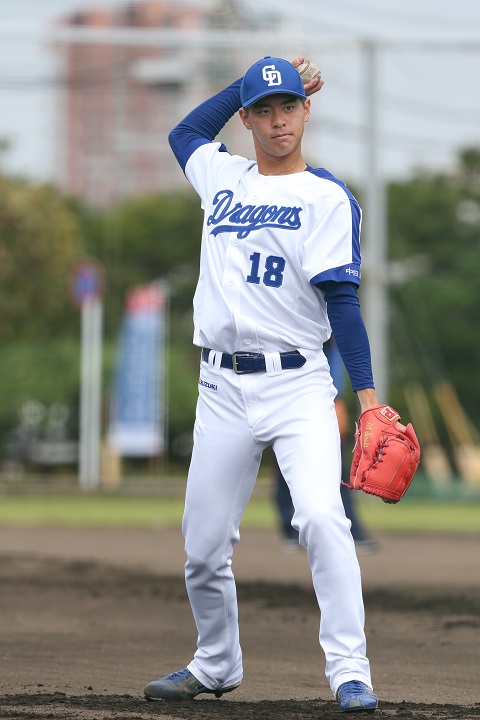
(203, 124)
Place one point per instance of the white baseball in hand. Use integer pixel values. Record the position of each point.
(308, 70)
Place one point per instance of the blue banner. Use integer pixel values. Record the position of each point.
(137, 411)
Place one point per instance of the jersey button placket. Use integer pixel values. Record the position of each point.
(231, 277)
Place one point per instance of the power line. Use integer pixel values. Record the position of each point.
(331, 124)
(414, 107)
(375, 22)
(430, 21)
(101, 75)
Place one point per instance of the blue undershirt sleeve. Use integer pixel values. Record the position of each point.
(348, 328)
(204, 123)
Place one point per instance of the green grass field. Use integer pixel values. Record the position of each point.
(104, 510)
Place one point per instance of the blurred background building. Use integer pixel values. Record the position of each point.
(121, 100)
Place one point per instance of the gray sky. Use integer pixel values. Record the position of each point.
(429, 100)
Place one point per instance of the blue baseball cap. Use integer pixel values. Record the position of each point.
(268, 76)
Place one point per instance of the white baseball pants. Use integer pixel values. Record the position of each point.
(237, 417)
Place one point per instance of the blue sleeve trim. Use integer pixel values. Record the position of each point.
(204, 123)
(348, 328)
(350, 273)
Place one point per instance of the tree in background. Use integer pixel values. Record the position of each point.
(140, 240)
(39, 243)
(143, 239)
(434, 224)
(434, 230)
(39, 328)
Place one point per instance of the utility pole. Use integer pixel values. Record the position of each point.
(90, 393)
(375, 268)
(86, 292)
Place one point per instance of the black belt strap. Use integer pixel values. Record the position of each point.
(242, 363)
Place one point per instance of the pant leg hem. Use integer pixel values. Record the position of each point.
(347, 677)
(207, 681)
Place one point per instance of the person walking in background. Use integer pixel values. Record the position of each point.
(282, 498)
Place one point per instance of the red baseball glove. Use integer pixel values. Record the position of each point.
(385, 458)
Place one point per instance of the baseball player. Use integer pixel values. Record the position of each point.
(279, 270)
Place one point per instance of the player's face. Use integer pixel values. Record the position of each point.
(277, 123)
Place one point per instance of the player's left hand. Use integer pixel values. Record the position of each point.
(314, 85)
(386, 454)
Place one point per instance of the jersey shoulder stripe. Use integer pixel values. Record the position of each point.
(325, 175)
(356, 214)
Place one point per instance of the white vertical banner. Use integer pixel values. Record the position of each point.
(137, 423)
(86, 288)
(90, 393)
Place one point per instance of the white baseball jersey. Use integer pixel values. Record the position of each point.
(264, 235)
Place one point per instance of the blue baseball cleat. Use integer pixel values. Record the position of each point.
(181, 685)
(355, 696)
